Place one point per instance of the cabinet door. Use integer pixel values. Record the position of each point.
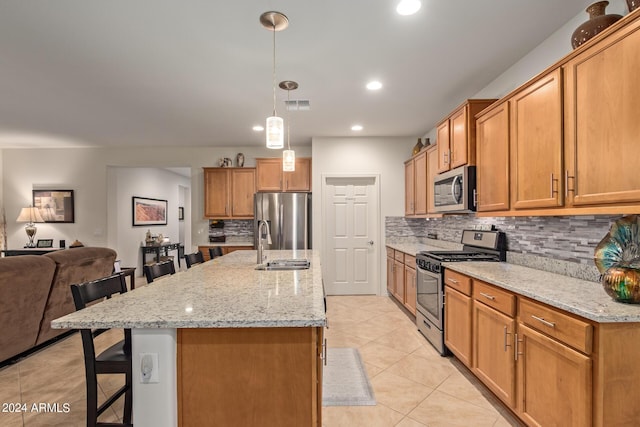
(555, 382)
(409, 187)
(243, 182)
(536, 144)
(300, 179)
(602, 124)
(442, 137)
(457, 318)
(390, 275)
(217, 189)
(269, 174)
(459, 137)
(398, 280)
(492, 155)
(410, 291)
(420, 183)
(492, 352)
(432, 171)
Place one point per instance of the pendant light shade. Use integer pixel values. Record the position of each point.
(274, 21)
(288, 160)
(275, 132)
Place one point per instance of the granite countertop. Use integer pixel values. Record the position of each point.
(226, 292)
(412, 248)
(581, 297)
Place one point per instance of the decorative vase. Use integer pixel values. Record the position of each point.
(240, 160)
(417, 147)
(622, 284)
(597, 22)
(633, 4)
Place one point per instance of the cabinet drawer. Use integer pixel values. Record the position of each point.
(458, 281)
(501, 300)
(390, 252)
(400, 256)
(574, 332)
(410, 261)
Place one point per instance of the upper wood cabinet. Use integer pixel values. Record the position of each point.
(416, 185)
(456, 135)
(270, 176)
(536, 143)
(492, 156)
(228, 192)
(432, 171)
(602, 101)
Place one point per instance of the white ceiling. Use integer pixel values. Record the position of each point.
(198, 72)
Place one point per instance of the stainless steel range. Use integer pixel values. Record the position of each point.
(477, 246)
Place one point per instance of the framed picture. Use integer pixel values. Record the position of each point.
(180, 213)
(54, 205)
(148, 211)
(44, 243)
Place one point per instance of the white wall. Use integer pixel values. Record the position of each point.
(84, 170)
(351, 156)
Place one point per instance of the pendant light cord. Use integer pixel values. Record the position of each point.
(274, 69)
(288, 118)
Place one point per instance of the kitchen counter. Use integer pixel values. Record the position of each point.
(224, 293)
(581, 297)
(412, 248)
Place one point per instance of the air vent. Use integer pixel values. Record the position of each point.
(298, 105)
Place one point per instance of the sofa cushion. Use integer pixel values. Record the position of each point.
(24, 287)
(73, 266)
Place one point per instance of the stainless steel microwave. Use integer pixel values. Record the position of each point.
(454, 191)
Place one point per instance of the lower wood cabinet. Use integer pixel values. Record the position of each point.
(250, 377)
(550, 367)
(225, 250)
(401, 278)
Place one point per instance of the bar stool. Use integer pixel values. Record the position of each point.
(114, 360)
(154, 271)
(215, 252)
(194, 258)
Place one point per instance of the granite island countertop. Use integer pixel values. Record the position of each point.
(581, 297)
(226, 292)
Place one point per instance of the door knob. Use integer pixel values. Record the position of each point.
(370, 242)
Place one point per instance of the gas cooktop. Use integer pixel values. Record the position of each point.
(453, 256)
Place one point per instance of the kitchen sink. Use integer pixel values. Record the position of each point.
(285, 264)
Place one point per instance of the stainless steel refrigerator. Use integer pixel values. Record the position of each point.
(289, 219)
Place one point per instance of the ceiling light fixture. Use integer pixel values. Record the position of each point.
(258, 128)
(274, 21)
(288, 155)
(408, 7)
(356, 127)
(374, 85)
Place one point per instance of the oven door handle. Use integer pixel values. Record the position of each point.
(456, 188)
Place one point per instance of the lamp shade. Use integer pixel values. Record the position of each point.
(30, 214)
(275, 132)
(288, 160)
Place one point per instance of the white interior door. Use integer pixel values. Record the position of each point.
(351, 230)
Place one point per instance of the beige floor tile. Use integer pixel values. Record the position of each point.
(9, 384)
(380, 355)
(365, 416)
(430, 372)
(398, 393)
(427, 351)
(401, 339)
(440, 409)
(342, 339)
(408, 422)
(465, 388)
(372, 370)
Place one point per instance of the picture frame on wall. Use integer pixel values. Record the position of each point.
(54, 205)
(146, 211)
(180, 213)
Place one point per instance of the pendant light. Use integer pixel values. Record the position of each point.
(288, 155)
(274, 21)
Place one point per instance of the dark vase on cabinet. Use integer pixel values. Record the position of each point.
(598, 21)
(633, 4)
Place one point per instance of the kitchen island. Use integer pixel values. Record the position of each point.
(235, 345)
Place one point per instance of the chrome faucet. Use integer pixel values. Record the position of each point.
(260, 247)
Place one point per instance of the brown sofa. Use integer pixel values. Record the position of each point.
(34, 290)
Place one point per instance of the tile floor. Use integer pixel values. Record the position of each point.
(413, 385)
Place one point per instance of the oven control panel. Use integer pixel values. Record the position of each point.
(429, 265)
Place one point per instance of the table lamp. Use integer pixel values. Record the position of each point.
(30, 215)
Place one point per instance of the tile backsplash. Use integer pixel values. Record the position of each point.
(558, 242)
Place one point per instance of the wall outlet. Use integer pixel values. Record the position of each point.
(149, 368)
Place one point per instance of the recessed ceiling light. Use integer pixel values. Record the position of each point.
(374, 85)
(258, 128)
(356, 127)
(408, 7)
